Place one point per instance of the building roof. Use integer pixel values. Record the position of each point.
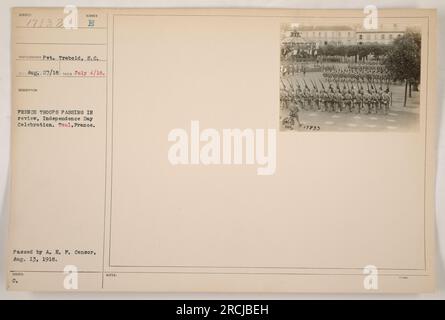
(324, 28)
(294, 40)
(380, 31)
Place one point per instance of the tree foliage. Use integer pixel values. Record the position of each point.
(403, 59)
(362, 50)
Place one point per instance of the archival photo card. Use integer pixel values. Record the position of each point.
(346, 77)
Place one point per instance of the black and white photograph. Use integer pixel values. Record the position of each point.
(337, 77)
(197, 151)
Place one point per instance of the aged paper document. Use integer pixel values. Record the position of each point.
(223, 150)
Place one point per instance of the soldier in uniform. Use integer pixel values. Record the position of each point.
(311, 98)
(338, 101)
(375, 101)
(386, 98)
(316, 97)
(329, 99)
(294, 109)
(348, 101)
(299, 98)
(291, 69)
(324, 100)
(358, 101)
(367, 101)
(283, 99)
(306, 98)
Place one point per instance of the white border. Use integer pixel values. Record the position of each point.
(5, 98)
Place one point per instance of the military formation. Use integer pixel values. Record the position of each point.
(347, 75)
(333, 97)
(359, 72)
(293, 68)
(361, 88)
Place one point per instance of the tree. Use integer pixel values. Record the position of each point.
(360, 51)
(403, 60)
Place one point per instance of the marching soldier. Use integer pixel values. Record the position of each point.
(331, 100)
(291, 69)
(367, 99)
(338, 101)
(375, 101)
(316, 97)
(386, 98)
(358, 101)
(338, 95)
(348, 101)
(306, 98)
(324, 100)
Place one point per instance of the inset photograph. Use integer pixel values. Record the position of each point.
(347, 78)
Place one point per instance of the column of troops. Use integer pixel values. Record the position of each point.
(357, 87)
(353, 72)
(291, 69)
(334, 98)
(359, 72)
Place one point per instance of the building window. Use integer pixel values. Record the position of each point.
(360, 36)
(390, 37)
(383, 37)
